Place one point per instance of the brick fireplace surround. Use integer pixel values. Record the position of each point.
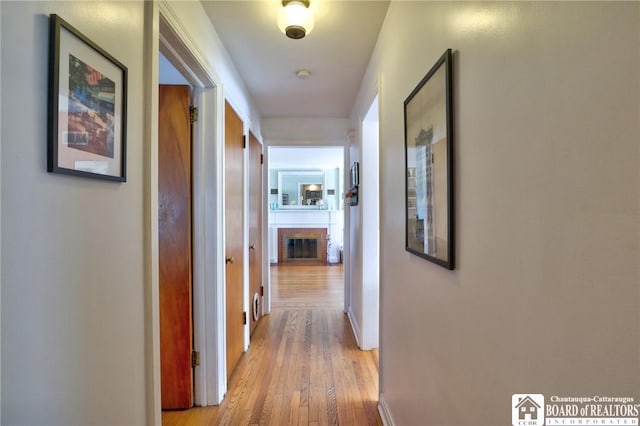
(307, 233)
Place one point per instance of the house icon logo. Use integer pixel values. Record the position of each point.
(527, 409)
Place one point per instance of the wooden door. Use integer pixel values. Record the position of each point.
(255, 231)
(174, 241)
(234, 142)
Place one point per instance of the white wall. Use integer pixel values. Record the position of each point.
(544, 298)
(0, 217)
(73, 329)
(370, 199)
(362, 262)
(353, 249)
(305, 131)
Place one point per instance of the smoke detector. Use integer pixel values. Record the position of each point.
(303, 74)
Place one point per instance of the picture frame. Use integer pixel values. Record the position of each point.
(429, 166)
(87, 107)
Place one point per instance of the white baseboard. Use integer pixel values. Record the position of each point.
(385, 412)
(354, 326)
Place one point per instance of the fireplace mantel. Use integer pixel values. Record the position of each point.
(330, 220)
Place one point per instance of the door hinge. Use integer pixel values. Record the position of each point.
(244, 141)
(261, 158)
(195, 358)
(262, 290)
(244, 318)
(193, 114)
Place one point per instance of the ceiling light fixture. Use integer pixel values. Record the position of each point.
(295, 19)
(303, 74)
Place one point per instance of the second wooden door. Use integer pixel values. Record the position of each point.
(234, 142)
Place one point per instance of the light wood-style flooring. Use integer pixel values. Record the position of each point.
(303, 366)
(307, 287)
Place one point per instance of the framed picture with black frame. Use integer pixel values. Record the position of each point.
(87, 107)
(428, 131)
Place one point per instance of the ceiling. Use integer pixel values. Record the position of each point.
(305, 157)
(336, 53)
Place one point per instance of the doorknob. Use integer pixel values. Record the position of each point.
(229, 259)
(252, 247)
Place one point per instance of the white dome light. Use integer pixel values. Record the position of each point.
(295, 19)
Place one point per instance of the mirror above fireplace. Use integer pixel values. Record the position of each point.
(301, 189)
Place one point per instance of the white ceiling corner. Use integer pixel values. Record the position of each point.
(336, 52)
(313, 157)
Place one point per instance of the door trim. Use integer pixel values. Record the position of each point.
(266, 230)
(366, 323)
(166, 33)
(151, 254)
(369, 131)
(210, 381)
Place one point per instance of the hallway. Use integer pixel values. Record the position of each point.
(303, 366)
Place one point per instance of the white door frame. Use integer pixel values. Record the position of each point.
(370, 225)
(166, 33)
(266, 231)
(347, 243)
(0, 216)
(361, 324)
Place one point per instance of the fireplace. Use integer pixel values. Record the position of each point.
(302, 245)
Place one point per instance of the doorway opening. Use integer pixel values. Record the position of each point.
(175, 253)
(306, 209)
(363, 257)
(371, 227)
(207, 246)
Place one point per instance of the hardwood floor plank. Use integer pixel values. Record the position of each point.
(267, 367)
(303, 418)
(294, 410)
(276, 419)
(303, 366)
(330, 384)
